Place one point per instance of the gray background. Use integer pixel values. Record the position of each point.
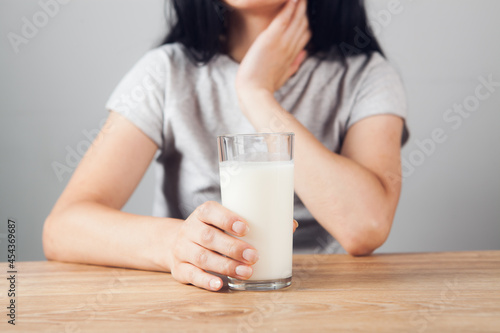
(52, 92)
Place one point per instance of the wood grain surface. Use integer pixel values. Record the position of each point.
(431, 292)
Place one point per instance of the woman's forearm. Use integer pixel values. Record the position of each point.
(349, 200)
(89, 232)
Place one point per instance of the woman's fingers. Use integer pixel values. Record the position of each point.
(301, 36)
(205, 230)
(187, 273)
(298, 20)
(297, 35)
(214, 262)
(302, 40)
(301, 31)
(285, 16)
(214, 239)
(202, 246)
(215, 214)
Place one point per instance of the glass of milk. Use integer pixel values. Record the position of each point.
(256, 178)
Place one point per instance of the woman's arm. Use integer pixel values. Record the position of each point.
(87, 226)
(353, 195)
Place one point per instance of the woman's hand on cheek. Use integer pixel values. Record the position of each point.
(278, 52)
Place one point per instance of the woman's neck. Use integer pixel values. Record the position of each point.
(245, 27)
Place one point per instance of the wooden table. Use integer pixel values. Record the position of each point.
(432, 292)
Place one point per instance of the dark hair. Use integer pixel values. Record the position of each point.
(200, 26)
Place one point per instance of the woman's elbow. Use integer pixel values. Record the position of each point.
(364, 242)
(48, 238)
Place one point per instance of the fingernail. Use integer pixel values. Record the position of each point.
(296, 223)
(240, 228)
(250, 255)
(215, 284)
(244, 271)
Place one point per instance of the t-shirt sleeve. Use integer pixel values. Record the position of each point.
(381, 91)
(140, 96)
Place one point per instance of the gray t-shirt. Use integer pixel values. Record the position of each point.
(183, 107)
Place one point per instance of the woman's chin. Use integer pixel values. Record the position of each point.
(254, 4)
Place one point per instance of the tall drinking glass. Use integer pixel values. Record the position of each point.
(256, 178)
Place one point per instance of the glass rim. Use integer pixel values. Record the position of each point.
(256, 134)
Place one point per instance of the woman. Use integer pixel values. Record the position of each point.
(244, 66)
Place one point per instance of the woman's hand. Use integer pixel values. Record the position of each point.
(278, 52)
(201, 244)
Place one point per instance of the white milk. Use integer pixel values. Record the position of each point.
(262, 193)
